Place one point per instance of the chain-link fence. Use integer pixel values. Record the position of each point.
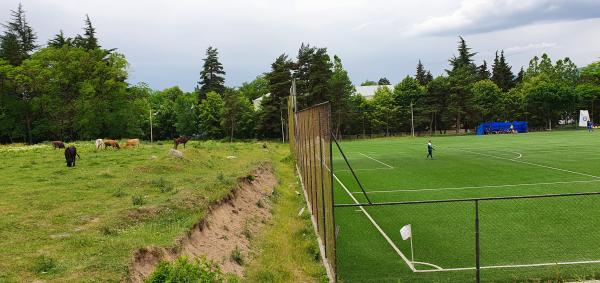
(543, 238)
(310, 139)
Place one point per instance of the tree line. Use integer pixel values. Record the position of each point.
(72, 89)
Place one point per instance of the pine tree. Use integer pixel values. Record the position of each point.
(341, 89)
(319, 75)
(484, 74)
(212, 74)
(428, 78)
(18, 41)
(461, 76)
(421, 75)
(271, 115)
(501, 72)
(302, 67)
(520, 75)
(60, 40)
(88, 40)
(383, 81)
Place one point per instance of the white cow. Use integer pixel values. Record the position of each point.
(99, 143)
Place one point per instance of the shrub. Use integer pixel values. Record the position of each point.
(137, 200)
(236, 256)
(163, 186)
(44, 264)
(119, 193)
(181, 270)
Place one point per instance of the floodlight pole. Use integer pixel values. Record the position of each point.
(412, 120)
(151, 138)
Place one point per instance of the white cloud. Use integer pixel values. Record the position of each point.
(476, 16)
(529, 47)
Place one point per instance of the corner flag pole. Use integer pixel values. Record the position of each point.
(412, 252)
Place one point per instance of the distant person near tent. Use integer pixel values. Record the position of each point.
(590, 126)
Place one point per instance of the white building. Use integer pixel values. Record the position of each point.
(369, 91)
(257, 101)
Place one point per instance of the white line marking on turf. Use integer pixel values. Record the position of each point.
(530, 163)
(364, 169)
(410, 265)
(512, 266)
(480, 187)
(428, 264)
(387, 165)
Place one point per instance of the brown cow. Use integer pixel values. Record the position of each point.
(58, 144)
(181, 140)
(112, 143)
(132, 142)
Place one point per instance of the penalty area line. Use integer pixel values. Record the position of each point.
(479, 187)
(385, 236)
(385, 164)
(530, 163)
(511, 266)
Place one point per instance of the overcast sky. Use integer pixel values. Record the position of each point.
(165, 41)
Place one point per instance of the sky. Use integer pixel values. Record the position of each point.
(165, 41)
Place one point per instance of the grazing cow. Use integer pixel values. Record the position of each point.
(70, 153)
(111, 143)
(99, 143)
(58, 144)
(181, 140)
(132, 142)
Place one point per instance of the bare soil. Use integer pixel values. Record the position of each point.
(229, 224)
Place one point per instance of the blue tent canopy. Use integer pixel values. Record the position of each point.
(501, 127)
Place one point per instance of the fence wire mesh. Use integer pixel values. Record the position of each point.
(310, 140)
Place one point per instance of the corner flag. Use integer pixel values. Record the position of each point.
(406, 232)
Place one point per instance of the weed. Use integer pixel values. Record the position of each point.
(163, 186)
(236, 256)
(201, 270)
(137, 200)
(119, 193)
(44, 264)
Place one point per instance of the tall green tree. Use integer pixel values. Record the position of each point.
(256, 88)
(487, 100)
(212, 76)
(484, 73)
(211, 114)
(502, 74)
(341, 89)
(462, 74)
(437, 103)
(19, 40)
(410, 93)
(384, 111)
(383, 81)
(88, 40)
(273, 107)
(238, 115)
(423, 76)
(59, 40)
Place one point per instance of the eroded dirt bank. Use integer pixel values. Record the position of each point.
(228, 225)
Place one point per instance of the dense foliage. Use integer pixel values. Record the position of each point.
(74, 89)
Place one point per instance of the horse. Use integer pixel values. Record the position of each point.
(99, 143)
(58, 144)
(111, 143)
(181, 140)
(70, 153)
(132, 142)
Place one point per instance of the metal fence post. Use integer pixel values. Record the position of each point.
(477, 248)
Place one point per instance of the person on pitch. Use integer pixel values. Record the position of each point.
(429, 150)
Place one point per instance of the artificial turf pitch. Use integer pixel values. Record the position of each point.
(520, 239)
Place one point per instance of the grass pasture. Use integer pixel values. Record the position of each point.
(81, 224)
(520, 239)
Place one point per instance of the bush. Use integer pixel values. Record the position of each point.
(137, 200)
(181, 270)
(163, 186)
(236, 256)
(44, 264)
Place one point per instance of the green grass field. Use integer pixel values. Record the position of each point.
(81, 224)
(521, 239)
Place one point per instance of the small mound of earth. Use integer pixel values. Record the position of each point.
(227, 226)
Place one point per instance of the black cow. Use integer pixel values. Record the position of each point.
(70, 153)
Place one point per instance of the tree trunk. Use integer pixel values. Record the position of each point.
(458, 121)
